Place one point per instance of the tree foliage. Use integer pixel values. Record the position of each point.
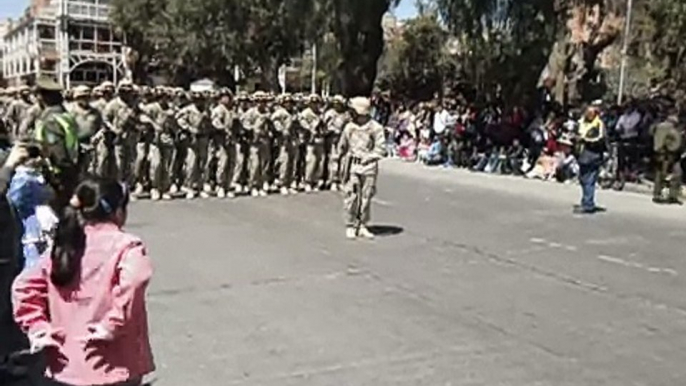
(415, 65)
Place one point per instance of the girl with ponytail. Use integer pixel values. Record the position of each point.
(85, 304)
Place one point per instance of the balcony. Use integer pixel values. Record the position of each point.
(88, 10)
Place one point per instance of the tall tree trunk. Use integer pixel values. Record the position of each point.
(591, 27)
(360, 38)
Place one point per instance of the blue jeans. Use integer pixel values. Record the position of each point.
(588, 177)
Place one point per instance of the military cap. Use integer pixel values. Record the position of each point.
(107, 85)
(81, 91)
(361, 105)
(23, 89)
(242, 96)
(45, 83)
(338, 99)
(224, 91)
(314, 98)
(260, 96)
(125, 85)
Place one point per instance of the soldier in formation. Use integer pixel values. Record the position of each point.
(163, 141)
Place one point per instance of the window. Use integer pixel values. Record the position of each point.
(46, 32)
(104, 35)
(88, 33)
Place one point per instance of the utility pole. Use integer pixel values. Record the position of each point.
(313, 88)
(625, 52)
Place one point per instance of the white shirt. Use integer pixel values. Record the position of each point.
(441, 121)
(627, 125)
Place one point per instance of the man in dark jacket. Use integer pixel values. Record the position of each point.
(11, 338)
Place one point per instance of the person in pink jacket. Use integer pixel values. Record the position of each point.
(84, 304)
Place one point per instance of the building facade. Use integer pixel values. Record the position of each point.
(70, 40)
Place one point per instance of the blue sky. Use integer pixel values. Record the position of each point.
(14, 8)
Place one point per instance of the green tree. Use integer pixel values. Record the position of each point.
(414, 65)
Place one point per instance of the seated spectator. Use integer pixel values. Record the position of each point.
(423, 149)
(544, 168)
(514, 161)
(567, 168)
(434, 156)
(407, 148)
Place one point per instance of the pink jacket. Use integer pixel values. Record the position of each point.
(109, 293)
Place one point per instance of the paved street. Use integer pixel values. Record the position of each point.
(478, 280)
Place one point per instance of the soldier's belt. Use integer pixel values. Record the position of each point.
(356, 160)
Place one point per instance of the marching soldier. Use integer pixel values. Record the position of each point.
(363, 143)
(284, 119)
(89, 123)
(668, 146)
(240, 145)
(28, 121)
(256, 122)
(224, 122)
(146, 134)
(335, 119)
(311, 122)
(17, 108)
(103, 94)
(194, 120)
(161, 144)
(122, 118)
(182, 140)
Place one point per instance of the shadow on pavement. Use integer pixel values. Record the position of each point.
(386, 230)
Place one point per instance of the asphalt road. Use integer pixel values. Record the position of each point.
(477, 280)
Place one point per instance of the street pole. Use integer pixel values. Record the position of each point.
(625, 52)
(313, 88)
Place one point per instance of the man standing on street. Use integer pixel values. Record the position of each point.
(363, 143)
(592, 145)
(668, 144)
(17, 109)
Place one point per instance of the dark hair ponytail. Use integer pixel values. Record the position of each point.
(95, 201)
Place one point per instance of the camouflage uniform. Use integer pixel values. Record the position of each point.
(240, 144)
(668, 147)
(105, 162)
(161, 146)
(364, 145)
(335, 119)
(146, 135)
(194, 119)
(16, 111)
(29, 120)
(285, 122)
(90, 124)
(311, 122)
(224, 122)
(256, 122)
(122, 117)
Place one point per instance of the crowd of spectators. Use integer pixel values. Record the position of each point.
(537, 145)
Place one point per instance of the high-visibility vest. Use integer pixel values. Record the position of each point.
(69, 128)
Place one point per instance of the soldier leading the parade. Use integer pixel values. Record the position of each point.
(363, 146)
